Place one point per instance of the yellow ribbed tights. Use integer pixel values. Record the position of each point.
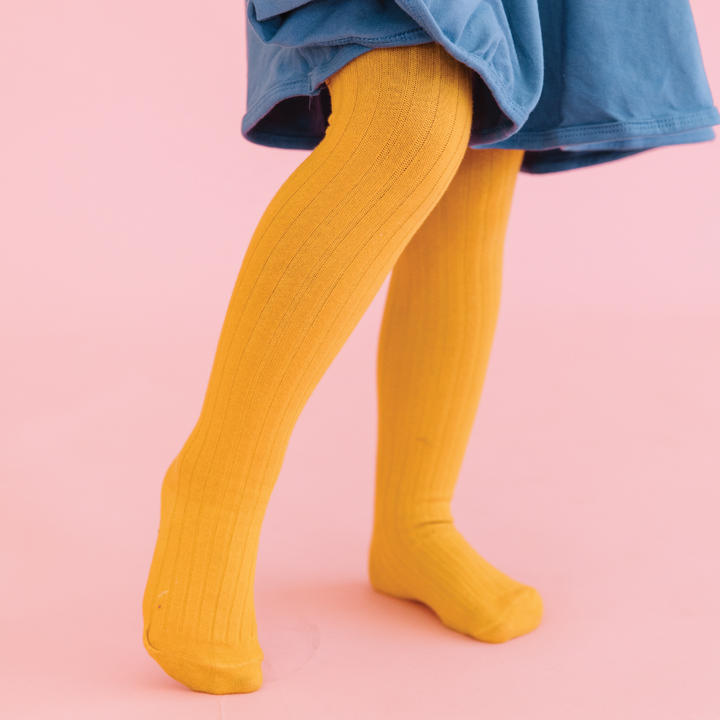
(393, 167)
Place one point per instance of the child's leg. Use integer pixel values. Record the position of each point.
(434, 348)
(398, 132)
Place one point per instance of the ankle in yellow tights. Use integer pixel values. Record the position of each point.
(398, 133)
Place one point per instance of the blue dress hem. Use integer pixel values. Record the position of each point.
(572, 86)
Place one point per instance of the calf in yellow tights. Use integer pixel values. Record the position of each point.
(392, 182)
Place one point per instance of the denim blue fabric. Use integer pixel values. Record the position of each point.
(571, 82)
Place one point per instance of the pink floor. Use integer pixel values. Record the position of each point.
(128, 198)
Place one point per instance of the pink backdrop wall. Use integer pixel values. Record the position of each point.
(127, 198)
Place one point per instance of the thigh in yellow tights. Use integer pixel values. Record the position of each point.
(397, 138)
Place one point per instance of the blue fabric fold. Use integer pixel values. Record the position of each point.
(573, 82)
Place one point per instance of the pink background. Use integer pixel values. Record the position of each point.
(127, 200)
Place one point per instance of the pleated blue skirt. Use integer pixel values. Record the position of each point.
(571, 82)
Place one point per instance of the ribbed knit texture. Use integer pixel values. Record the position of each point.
(434, 348)
(399, 129)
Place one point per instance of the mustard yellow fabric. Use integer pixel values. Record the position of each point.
(434, 348)
(398, 134)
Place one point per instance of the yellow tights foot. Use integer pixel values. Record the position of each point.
(435, 565)
(216, 678)
(201, 634)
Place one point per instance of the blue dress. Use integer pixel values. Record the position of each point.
(571, 82)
